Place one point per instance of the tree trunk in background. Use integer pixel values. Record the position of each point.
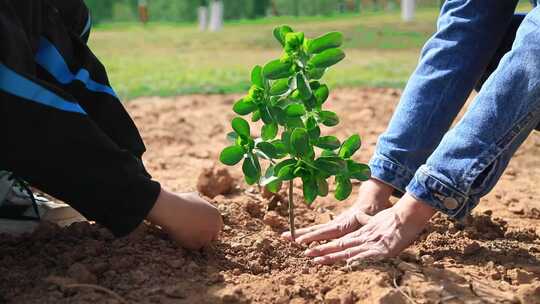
(358, 6)
(407, 10)
(275, 10)
(143, 11)
(341, 6)
(216, 16)
(259, 8)
(296, 8)
(202, 14)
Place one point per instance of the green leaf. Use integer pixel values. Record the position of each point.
(322, 186)
(232, 137)
(358, 171)
(327, 58)
(279, 115)
(314, 133)
(300, 141)
(303, 87)
(269, 132)
(314, 85)
(331, 165)
(244, 106)
(281, 149)
(251, 169)
(295, 122)
(310, 188)
(280, 32)
(313, 129)
(256, 94)
(324, 42)
(282, 164)
(321, 94)
(279, 87)
(328, 142)
(300, 171)
(232, 155)
(328, 153)
(286, 172)
(295, 110)
(276, 69)
(256, 116)
(241, 126)
(295, 95)
(293, 40)
(343, 188)
(274, 186)
(315, 73)
(267, 148)
(266, 116)
(350, 146)
(286, 139)
(257, 77)
(269, 177)
(329, 118)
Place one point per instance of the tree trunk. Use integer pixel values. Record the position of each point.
(259, 8)
(407, 10)
(202, 13)
(358, 5)
(275, 10)
(143, 11)
(216, 16)
(296, 7)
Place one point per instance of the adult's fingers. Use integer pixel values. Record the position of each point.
(302, 231)
(366, 255)
(333, 230)
(341, 255)
(334, 246)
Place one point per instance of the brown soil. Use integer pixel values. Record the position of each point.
(492, 258)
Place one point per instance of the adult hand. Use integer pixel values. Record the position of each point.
(372, 198)
(386, 234)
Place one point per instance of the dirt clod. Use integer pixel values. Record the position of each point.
(214, 181)
(81, 274)
(347, 298)
(274, 220)
(392, 297)
(529, 294)
(472, 248)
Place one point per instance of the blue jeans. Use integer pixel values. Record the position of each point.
(451, 169)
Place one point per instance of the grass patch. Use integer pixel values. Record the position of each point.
(164, 59)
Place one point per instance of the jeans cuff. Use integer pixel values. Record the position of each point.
(390, 172)
(439, 195)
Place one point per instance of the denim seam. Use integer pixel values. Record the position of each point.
(424, 170)
(404, 171)
(385, 164)
(463, 199)
(495, 151)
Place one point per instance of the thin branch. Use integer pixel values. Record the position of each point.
(291, 211)
(396, 286)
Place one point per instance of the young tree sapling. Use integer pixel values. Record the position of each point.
(288, 96)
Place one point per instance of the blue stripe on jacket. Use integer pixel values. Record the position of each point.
(87, 26)
(18, 85)
(49, 58)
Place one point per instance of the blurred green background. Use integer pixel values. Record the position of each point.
(170, 56)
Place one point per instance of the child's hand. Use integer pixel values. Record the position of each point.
(190, 220)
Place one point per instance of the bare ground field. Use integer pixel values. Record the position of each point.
(494, 257)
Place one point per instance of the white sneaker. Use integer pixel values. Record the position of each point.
(20, 214)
